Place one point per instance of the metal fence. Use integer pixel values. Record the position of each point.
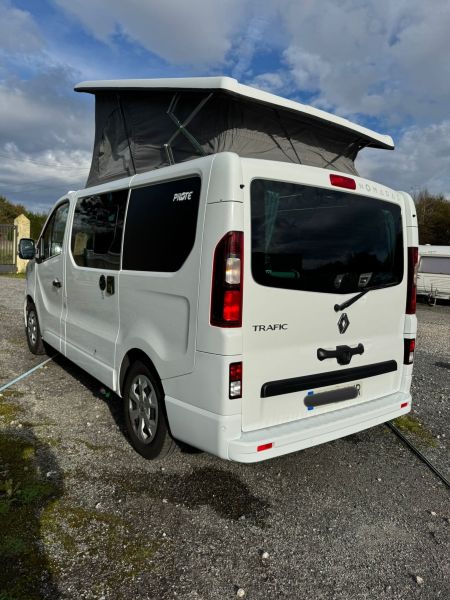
(8, 248)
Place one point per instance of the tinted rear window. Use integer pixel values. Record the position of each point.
(161, 225)
(320, 240)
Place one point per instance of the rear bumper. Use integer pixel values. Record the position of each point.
(222, 435)
(311, 431)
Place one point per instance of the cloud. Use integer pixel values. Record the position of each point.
(38, 179)
(275, 83)
(43, 113)
(379, 63)
(45, 138)
(379, 59)
(190, 32)
(18, 31)
(421, 160)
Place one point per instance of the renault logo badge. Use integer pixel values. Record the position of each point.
(343, 323)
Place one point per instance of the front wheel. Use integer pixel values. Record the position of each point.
(145, 417)
(33, 331)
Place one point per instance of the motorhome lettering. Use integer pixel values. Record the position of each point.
(183, 196)
(247, 306)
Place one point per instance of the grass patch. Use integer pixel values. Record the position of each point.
(410, 424)
(8, 411)
(23, 494)
(102, 537)
(13, 276)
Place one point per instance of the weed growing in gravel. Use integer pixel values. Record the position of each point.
(408, 423)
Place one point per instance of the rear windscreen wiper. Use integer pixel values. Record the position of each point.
(338, 307)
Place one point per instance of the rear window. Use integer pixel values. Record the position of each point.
(440, 265)
(320, 240)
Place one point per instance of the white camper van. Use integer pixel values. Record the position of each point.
(251, 302)
(433, 278)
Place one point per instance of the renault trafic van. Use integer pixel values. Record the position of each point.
(249, 307)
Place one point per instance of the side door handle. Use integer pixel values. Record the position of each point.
(110, 288)
(56, 283)
(107, 283)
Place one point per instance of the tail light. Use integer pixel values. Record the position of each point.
(408, 356)
(344, 182)
(413, 267)
(235, 385)
(226, 293)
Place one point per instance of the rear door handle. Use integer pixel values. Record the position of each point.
(56, 283)
(343, 354)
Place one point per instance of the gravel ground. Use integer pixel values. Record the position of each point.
(357, 518)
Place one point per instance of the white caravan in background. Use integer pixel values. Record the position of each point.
(433, 278)
(247, 307)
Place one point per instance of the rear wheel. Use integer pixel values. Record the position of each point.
(34, 338)
(145, 417)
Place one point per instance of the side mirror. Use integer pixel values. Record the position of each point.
(27, 249)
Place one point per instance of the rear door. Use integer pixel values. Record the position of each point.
(312, 247)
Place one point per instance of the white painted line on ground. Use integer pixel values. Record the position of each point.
(13, 381)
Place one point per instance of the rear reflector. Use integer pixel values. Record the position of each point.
(408, 356)
(343, 182)
(264, 447)
(413, 266)
(226, 292)
(403, 404)
(235, 381)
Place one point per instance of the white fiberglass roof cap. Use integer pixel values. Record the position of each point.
(232, 86)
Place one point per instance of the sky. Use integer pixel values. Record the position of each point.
(384, 64)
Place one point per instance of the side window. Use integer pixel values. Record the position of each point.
(51, 241)
(439, 265)
(97, 230)
(161, 225)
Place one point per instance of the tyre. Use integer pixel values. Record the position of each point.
(144, 411)
(33, 331)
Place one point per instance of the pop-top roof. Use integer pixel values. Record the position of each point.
(232, 86)
(146, 124)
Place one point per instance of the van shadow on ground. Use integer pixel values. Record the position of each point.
(219, 489)
(30, 480)
(112, 400)
(97, 389)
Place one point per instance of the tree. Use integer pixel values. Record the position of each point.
(9, 211)
(433, 215)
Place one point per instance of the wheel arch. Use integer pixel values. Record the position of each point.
(27, 302)
(131, 357)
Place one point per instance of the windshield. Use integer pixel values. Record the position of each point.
(320, 240)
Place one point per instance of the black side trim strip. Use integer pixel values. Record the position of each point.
(298, 384)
